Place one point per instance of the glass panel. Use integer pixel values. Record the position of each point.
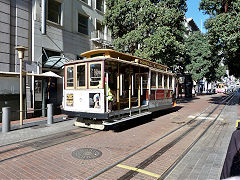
(144, 79)
(159, 80)
(95, 74)
(70, 82)
(54, 11)
(165, 81)
(170, 81)
(153, 79)
(82, 24)
(85, 1)
(81, 75)
(100, 5)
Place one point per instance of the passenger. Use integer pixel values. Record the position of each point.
(109, 96)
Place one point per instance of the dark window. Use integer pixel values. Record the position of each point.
(100, 5)
(54, 11)
(100, 30)
(170, 82)
(83, 24)
(159, 80)
(153, 79)
(165, 81)
(81, 75)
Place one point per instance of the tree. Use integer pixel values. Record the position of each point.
(201, 61)
(149, 29)
(224, 30)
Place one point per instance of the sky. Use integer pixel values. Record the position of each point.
(193, 12)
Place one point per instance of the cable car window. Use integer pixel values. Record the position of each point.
(95, 74)
(153, 79)
(165, 81)
(159, 80)
(70, 77)
(170, 82)
(144, 79)
(81, 75)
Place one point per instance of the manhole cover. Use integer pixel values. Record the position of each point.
(86, 153)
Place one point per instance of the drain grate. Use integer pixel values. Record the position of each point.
(86, 153)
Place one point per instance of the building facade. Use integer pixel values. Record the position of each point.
(61, 31)
(15, 29)
(71, 27)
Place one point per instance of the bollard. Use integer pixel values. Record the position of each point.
(49, 113)
(6, 119)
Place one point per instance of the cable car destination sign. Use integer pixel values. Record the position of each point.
(151, 64)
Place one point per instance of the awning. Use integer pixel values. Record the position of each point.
(46, 74)
(55, 62)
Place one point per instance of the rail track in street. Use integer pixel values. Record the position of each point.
(14, 150)
(193, 124)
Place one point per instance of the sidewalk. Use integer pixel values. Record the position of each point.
(34, 122)
(205, 160)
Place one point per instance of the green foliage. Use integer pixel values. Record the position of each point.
(224, 30)
(202, 61)
(148, 29)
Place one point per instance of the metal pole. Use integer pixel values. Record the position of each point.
(118, 89)
(21, 93)
(44, 12)
(6, 119)
(49, 113)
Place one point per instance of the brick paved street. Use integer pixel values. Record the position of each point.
(49, 154)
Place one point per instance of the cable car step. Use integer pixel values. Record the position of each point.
(106, 123)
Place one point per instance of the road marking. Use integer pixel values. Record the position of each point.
(238, 121)
(204, 117)
(139, 170)
(173, 117)
(210, 118)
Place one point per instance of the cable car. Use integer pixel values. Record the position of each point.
(221, 88)
(108, 87)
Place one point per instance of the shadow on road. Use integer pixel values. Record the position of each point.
(143, 120)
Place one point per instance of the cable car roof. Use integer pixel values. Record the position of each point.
(119, 55)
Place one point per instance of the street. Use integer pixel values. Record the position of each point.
(187, 142)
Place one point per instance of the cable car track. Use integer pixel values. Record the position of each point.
(40, 143)
(160, 152)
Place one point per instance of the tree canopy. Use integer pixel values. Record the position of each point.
(202, 62)
(224, 30)
(149, 29)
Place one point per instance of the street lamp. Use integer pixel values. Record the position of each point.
(21, 50)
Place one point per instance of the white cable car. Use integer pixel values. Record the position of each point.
(109, 87)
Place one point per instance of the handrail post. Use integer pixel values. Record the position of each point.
(49, 113)
(6, 113)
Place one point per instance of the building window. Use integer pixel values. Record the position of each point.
(82, 24)
(81, 75)
(54, 11)
(100, 5)
(86, 1)
(100, 30)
